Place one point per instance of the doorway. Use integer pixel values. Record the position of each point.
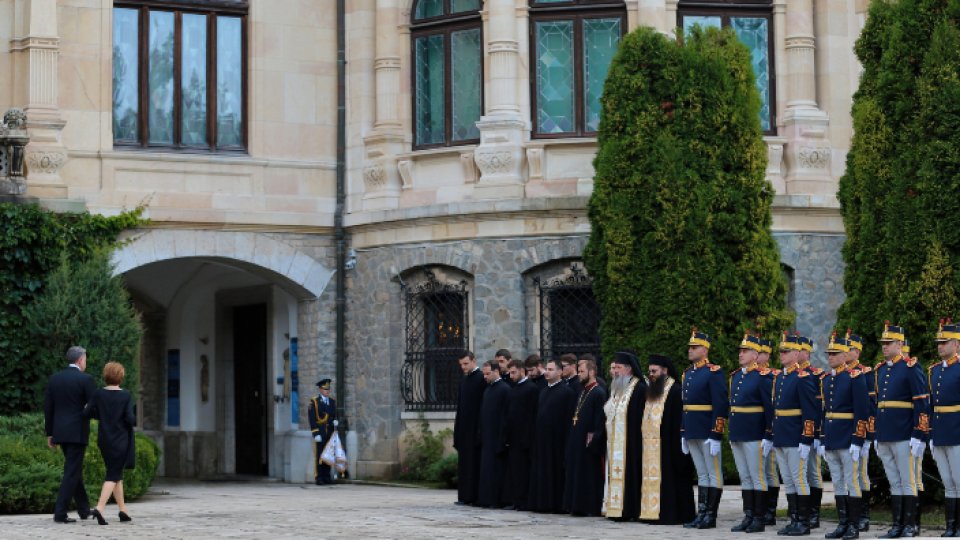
(250, 388)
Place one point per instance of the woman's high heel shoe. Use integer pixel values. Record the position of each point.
(96, 513)
(125, 517)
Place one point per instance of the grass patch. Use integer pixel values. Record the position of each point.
(880, 516)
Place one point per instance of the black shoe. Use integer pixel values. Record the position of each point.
(770, 514)
(896, 515)
(802, 525)
(747, 497)
(759, 506)
(854, 512)
(84, 515)
(64, 519)
(863, 525)
(911, 525)
(701, 508)
(816, 497)
(791, 513)
(124, 517)
(950, 513)
(843, 522)
(713, 504)
(96, 513)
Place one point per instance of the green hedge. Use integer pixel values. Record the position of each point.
(30, 472)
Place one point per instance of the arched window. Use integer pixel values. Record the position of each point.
(572, 42)
(752, 20)
(447, 52)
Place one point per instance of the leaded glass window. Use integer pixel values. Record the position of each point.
(573, 43)
(447, 72)
(179, 75)
(753, 25)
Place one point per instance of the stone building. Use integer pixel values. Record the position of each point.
(469, 135)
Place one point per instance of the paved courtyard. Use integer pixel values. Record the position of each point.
(257, 509)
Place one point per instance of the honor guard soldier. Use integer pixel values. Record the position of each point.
(770, 462)
(855, 343)
(846, 412)
(751, 436)
(322, 413)
(902, 425)
(794, 427)
(945, 423)
(705, 407)
(814, 477)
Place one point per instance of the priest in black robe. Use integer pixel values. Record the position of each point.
(518, 428)
(534, 366)
(586, 446)
(624, 413)
(569, 373)
(667, 485)
(493, 449)
(466, 439)
(554, 413)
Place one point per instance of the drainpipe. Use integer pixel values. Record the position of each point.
(338, 229)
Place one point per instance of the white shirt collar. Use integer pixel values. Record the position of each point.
(552, 385)
(74, 366)
(523, 380)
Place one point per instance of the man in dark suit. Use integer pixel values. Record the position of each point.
(68, 392)
(322, 413)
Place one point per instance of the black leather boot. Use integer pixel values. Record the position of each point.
(843, 522)
(802, 527)
(854, 509)
(759, 507)
(747, 497)
(770, 514)
(911, 528)
(713, 504)
(791, 513)
(816, 497)
(950, 512)
(864, 524)
(701, 508)
(896, 515)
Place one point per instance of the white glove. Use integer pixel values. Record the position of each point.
(821, 450)
(712, 446)
(876, 445)
(318, 438)
(683, 446)
(931, 446)
(767, 447)
(336, 423)
(855, 452)
(804, 451)
(916, 447)
(816, 446)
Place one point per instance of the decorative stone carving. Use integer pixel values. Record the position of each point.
(775, 164)
(13, 140)
(374, 178)
(534, 164)
(467, 161)
(14, 119)
(814, 157)
(405, 168)
(496, 162)
(46, 162)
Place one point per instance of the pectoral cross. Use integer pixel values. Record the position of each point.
(574, 419)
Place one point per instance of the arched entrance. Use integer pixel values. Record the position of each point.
(221, 363)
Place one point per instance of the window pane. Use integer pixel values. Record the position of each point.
(555, 101)
(457, 6)
(600, 39)
(428, 8)
(193, 80)
(465, 63)
(752, 31)
(126, 105)
(161, 78)
(229, 82)
(429, 91)
(706, 21)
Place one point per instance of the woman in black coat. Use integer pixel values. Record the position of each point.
(113, 407)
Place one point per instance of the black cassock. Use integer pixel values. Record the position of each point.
(540, 381)
(633, 473)
(465, 435)
(574, 384)
(554, 413)
(583, 489)
(493, 450)
(518, 434)
(676, 483)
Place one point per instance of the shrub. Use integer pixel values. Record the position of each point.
(444, 471)
(30, 472)
(424, 450)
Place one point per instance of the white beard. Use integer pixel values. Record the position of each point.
(619, 385)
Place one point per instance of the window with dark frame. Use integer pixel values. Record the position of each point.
(447, 53)
(179, 75)
(569, 314)
(572, 43)
(752, 20)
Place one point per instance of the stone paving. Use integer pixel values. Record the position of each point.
(258, 509)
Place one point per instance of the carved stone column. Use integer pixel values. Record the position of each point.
(35, 49)
(381, 177)
(13, 140)
(502, 130)
(808, 151)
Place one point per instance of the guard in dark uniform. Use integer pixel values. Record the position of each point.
(945, 422)
(751, 435)
(855, 343)
(814, 466)
(794, 427)
(705, 405)
(770, 461)
(322, 413)
(903, 423)
(846, 410)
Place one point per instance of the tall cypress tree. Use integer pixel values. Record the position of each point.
(899, 195)
(680, 213)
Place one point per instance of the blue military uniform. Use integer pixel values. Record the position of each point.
(855, 342)
(322, 414)
(944, 381)
(902, 425)
(814, 478)
(771, 476)
(705, 408)
(751, 418)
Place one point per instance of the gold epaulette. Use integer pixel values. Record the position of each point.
(802, 373)
(765, 371)
(880, 363)
(777, 372)
(816, 370)
(865, 369)
(854, 373)
(912, 362)
(714, 367)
